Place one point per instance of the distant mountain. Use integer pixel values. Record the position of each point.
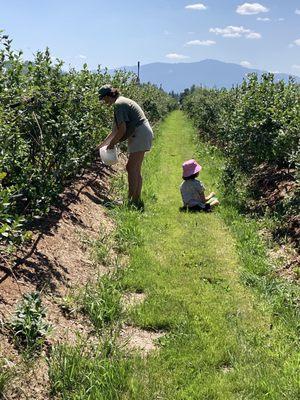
(209, 73)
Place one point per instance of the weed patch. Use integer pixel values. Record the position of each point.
(101, 301)
(6, 375)
(29, 326)
(128, 233)
(88, 372)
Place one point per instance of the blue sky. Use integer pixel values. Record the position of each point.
(259, 34)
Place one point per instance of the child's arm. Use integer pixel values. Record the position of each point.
(201, 190)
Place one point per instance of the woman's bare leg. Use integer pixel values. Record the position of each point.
(133, 167)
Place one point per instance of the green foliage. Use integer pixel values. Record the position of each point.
(86, 372)
(50, 123)
(6, 375)
(256, 125)
(10, 225)
(156, 103)
(256, 122)
(128, 234)
(100, 252)
(28, 325)
(101, 301)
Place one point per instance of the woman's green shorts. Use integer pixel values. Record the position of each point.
(141, 139)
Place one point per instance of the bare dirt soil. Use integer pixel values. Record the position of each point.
(141, 340)
(276, 191)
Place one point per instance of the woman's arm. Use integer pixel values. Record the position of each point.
(106, 141)
(117, 135)
(109, 137)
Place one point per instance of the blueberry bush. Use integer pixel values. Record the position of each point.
(50, 122)
(257, 127)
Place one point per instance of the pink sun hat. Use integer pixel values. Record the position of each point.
(190, 167)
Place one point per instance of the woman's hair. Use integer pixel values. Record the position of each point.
(186, 178)
(114, 93)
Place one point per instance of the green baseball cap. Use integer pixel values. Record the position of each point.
(105, 90)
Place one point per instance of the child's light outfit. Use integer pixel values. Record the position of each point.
(192, 192)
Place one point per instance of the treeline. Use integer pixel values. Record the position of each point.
(257, 126)
(50, 122)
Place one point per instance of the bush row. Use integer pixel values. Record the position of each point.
(50, 122)
(256, 124)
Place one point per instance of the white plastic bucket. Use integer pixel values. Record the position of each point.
(109, 156)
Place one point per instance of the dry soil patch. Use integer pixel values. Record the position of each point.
(141, 340)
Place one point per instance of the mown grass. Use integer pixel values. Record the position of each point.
(229, 333)
(223, 339)
(258, 271)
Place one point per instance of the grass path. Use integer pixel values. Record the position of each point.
(222, 340)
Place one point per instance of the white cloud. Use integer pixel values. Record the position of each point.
(295, 66)
(166, 32)
(175, 56)
(235, 32)
(246, 64)
(232, 35)
(253, 35)
(82, 56)
(281, 19)
(200, 43)
(251, 8)
(297, 42)
(197, 6)
(297, 12)
(230, 31)
(263, 19)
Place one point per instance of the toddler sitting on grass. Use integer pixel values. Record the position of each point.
(192, 190)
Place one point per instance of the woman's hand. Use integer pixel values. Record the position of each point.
(110, 146)
(106, 141)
